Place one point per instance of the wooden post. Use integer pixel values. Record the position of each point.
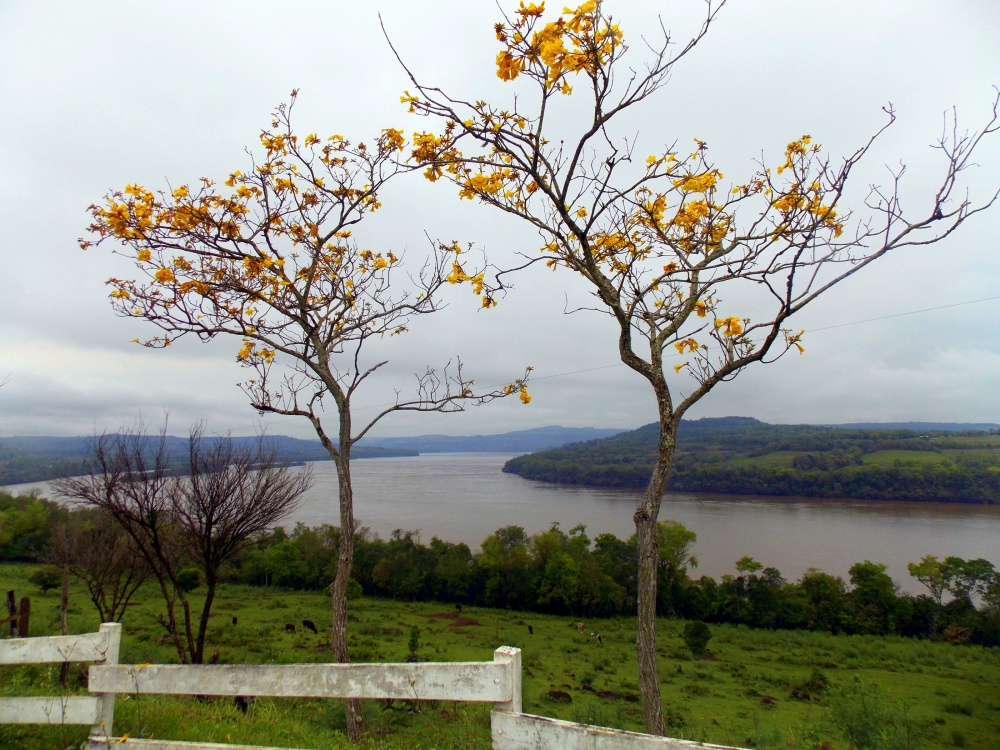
(101, 732)
(511, 658)
(23, 618)
(12, 613)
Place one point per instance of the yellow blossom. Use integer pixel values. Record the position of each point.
(731, 326)
(525, 398)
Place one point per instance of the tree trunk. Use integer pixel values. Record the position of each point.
(345, 561)
(649, 677)
(648, 551)
(206, 611)
(64, 621)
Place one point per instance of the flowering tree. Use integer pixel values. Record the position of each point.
(268, 257)
(661, 240)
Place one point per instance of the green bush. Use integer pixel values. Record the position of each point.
(696, 637)
(189, 579)
(47, 577)
(871, 720)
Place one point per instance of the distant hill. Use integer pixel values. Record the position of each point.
(37, 459)
(744, 456)
(920, 426)
(520, 441)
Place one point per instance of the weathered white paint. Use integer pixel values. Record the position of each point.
(498, 682)
(104, 725)
(96, 710)
(527, 732)
(75, 709)
(458, 681)
(58, 648)
(510, 658)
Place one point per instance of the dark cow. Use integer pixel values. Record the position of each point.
(289, 627)
(309, 625)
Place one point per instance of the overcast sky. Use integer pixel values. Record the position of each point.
(99, 94)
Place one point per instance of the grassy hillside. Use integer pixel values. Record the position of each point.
(739, 455)
(753, 688)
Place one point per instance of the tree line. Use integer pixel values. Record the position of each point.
(554, 571)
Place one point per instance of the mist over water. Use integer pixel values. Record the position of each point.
(464, 497)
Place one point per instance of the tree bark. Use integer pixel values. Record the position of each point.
(648, 551)
(649, 678)
(64, 621)
(338, 590)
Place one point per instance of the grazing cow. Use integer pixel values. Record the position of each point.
(309, 625)
(531, 630)
(581, 628)
(235, 619)
(289, 627)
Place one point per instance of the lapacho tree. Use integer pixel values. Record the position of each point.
(682, 259)
(267, 257)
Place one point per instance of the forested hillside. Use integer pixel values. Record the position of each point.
(38, 459)
(743, 456)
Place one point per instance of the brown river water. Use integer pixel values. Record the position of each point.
(464, 497)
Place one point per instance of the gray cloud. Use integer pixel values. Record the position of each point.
(98, 95)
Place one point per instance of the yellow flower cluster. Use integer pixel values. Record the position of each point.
(731, 326)
(689, 343)
(251, 354)
(575, 42)
(700, 183)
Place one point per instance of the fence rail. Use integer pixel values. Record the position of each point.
(497, 682)
(483, 682)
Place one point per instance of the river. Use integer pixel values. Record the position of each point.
(464, 497)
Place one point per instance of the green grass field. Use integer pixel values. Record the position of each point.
(753, 688)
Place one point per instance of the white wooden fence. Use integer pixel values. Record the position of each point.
(497, 682)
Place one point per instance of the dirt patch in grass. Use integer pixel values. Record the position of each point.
(457, 621)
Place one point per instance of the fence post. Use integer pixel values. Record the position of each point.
(511, 657)
(23, 631)
(12, 613)
(104, 728)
